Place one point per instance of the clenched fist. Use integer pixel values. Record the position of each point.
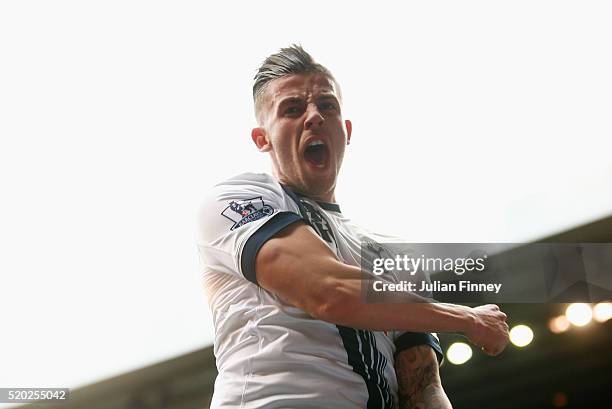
(488, 329)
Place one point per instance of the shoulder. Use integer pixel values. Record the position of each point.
(240, 200)
(245, 183)
(244, 187)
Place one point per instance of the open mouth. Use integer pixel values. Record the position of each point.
(317, 153)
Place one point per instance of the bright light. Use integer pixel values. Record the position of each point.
(521, 335)
(459, 353)
(602, 312)
(579, 314)
(559, 324)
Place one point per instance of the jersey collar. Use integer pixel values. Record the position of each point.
(333, 207)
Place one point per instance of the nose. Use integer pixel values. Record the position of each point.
(314, 118)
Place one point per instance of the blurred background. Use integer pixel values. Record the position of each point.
(483, 121)
(559, 357)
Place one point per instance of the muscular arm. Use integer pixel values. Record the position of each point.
(418, 379)
(297, 266)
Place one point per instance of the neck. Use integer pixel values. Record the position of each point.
(327, 197)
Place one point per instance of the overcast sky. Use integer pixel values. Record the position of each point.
(473, 121)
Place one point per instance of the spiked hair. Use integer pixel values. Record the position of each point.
(288, 61)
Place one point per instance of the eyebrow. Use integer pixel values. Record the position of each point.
(328, 96)
(301, 100)
(291, 100)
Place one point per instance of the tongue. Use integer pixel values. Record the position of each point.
(316, 155)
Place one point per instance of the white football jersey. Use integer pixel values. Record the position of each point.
(270, 354)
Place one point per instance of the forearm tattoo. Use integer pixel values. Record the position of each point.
(419, 380)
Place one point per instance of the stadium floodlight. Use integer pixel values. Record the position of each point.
(579, 314)
(459, 353)
(602, 312)
(521, 335)
(559, 324)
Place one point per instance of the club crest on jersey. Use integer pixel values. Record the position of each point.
(246, 211)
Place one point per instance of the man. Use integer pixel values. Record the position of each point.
(281, 268)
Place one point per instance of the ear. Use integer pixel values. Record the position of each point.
(260, 139)
(349, 131)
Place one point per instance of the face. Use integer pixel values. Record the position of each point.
(303, 130)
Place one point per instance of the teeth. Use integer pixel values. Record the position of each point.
(316, 143)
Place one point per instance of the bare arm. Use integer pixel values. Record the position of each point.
(297, 266)
(418, 379)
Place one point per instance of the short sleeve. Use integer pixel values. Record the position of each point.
(237, 217)
(405, 340)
